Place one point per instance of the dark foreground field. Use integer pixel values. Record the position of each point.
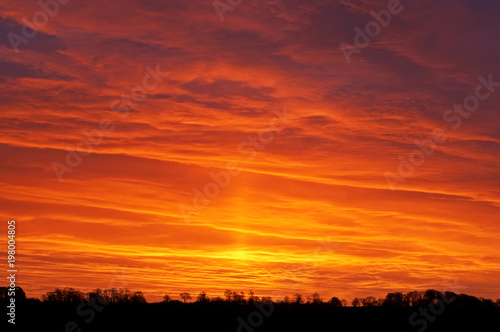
(53, 317)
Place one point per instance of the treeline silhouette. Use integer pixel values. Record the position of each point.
(70, 310)
(397, 299)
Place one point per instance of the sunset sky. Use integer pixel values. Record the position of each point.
(311, 208)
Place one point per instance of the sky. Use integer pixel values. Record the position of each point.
(273, 146)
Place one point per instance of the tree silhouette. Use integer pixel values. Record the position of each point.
(65, 295)
(4, 293)
(468, 301)
(228, 294)
(315, 299)
(431, 296)
(297, 298)
(251, 297)
(266, 299)
(397, 299)
(487, 302)
(335, 302)
(369, 301)
(394, 300)
(138, 297)
(217, 299)
(238, 297)
(202, 297)
(185, 296)
(220, 314)
(414, 298)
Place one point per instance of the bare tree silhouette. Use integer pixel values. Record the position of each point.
(355, 302)
(297, 298)
(315, 299)
(369, 301)
(185, 296)
(228, 294)
(202, 297)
